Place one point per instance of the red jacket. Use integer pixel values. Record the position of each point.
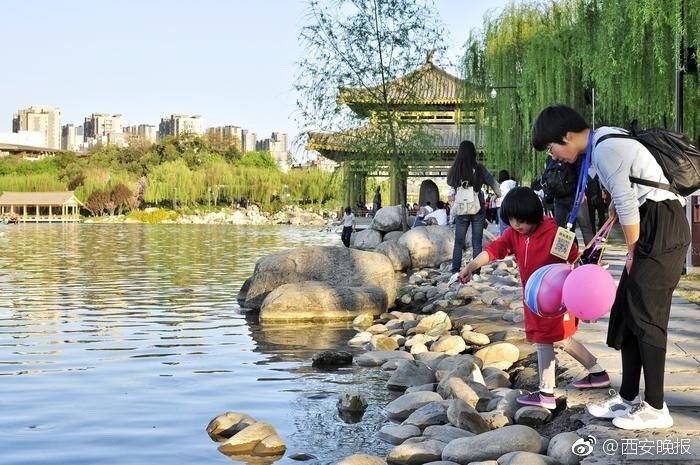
(531, 253)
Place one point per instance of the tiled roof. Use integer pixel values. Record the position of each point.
(428, 85)
(38, 198)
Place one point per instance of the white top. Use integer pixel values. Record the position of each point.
(615, 160)
(440, 215)
(348, 219)
(428, 208)
(506, 185)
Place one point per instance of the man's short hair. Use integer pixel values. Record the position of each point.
(523, 204)
(552, 124)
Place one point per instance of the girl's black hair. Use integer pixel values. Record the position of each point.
(348, 210)
(552, 124)
(465, 167)
(503, 175)
(522, 204)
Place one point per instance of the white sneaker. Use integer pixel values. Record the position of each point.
(477, 278)
(613, 406)
(644, 416)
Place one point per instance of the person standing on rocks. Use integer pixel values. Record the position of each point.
(465, 169)
(530, 238)
(348, 226)
(657, 236)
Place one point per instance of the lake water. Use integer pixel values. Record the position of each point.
(119, 343)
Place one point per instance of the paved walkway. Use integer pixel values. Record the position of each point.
(682, 386)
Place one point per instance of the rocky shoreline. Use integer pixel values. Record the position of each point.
(290, 215)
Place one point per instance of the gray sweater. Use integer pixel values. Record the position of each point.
(615, 160)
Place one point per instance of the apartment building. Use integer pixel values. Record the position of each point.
(41, 119)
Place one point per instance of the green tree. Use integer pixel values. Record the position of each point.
(362, 46)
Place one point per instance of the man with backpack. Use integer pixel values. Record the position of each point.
(657, 236)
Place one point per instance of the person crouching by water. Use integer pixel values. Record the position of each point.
(530, 239)
(348, 226)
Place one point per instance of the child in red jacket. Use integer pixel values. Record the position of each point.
(529, 238)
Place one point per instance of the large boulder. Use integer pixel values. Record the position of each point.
(398, 254)
(315, 301)
(429, 246)
(387, 219)
(367, 239)
(336, 265)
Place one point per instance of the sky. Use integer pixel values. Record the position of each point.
(231, 61)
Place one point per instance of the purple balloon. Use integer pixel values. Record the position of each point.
(543, 290)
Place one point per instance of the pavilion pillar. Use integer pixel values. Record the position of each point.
(354, 187)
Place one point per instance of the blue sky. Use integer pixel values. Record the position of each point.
(232, 61)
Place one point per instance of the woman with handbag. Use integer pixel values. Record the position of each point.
(466, 176)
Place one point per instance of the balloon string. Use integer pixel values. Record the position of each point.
(600, 239)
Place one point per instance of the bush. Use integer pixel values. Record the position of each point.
(153, 216)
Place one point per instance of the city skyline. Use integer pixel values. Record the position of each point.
(233, 63)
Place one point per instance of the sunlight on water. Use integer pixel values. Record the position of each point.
(119, 343)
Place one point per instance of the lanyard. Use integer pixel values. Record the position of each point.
(582, 179)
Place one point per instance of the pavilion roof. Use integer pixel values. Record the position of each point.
(428, 85)
(39, 198)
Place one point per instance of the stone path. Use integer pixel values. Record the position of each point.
(682, 383)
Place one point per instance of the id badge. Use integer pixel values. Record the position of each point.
(561, 247)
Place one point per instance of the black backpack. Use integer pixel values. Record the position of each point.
(559, 179)
(675, 153)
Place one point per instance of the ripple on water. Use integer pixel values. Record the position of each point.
(119, 343)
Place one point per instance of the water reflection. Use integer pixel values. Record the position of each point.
(118, 344)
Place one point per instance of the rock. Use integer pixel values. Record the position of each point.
(401, 408)
(352, 402)
(445, 433)
(434, 413)
(495, 378)
(387, 219)
(410, 373)
(377, 329)
(498, 352)
(363, 321)
(433, 359)
(532, 416)
(317, 301)
(464, 416)
(227, 424)
(418, 349)
(302, 456)
(360, 338)
(430, 387)
(367, 239)
(416, 453)
(383, 343)
(472, 393)
(393, 235)
(560, 448)
(450, 345)
(243, 292)
(362, 459)
(398, 254)
(331, 358)
(375, 359)
(465, 366)
(259, 439)
(428, 246)
(525, 458)
(496, 419)
(475, 339)
(397, 434)
(436, 324)
(493, 444)
(336, 265)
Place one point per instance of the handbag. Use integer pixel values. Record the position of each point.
(466, 200)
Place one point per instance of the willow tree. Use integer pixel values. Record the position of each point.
(568, 51)
(363, 47)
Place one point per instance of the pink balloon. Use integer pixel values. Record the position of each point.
(589, 292)
(549, 298)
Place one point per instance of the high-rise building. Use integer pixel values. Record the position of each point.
(101, 124)
(177, 125)
(41, 119)
(69, 139)
(248, 141)
(277, 146)
(143, 132)
(233, 134)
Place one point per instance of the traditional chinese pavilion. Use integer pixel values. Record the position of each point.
(447, 107)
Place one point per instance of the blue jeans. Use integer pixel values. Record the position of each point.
(462, 223)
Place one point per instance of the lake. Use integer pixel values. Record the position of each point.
(119, 343)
